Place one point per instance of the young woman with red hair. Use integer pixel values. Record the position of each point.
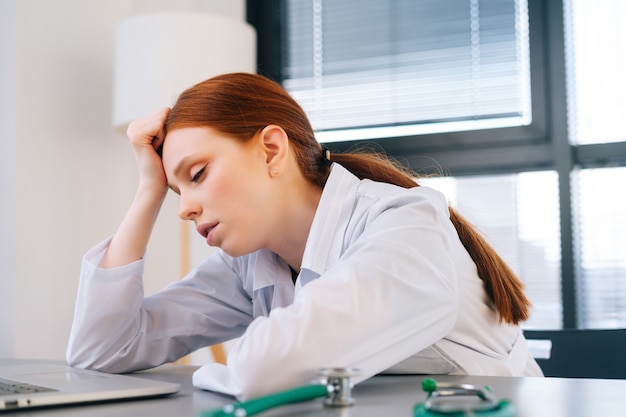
(324, 261)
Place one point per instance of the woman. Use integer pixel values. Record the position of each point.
(326, 260)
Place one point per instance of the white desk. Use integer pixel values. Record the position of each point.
(381, 396)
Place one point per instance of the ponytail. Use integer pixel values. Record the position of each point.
(504, 288)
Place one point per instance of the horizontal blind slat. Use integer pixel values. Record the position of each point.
(398, 62)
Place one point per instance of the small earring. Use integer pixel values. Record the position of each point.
(275, 172)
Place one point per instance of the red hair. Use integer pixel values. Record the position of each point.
(242, 104)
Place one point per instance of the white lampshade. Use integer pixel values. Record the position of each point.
(159, 55)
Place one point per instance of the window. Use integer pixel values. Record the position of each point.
(392, 68)
(546, 185)
(601, 230)
(524, 233)
(595, 36)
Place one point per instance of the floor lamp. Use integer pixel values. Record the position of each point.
(159, 55)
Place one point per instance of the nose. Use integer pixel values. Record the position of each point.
(188, 208)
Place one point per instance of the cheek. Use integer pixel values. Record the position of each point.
(247, 208)
(229, 194)
(238, 191)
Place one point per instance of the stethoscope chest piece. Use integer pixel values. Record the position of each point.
(333, 384)
(339, 386)
(457, 400)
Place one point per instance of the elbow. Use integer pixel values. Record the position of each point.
(77, 361)
(102, 365)
(84, 353)
(75, 358)
(80, 354)
(83, 357)
(80, 359)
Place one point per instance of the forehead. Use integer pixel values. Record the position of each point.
(186, 142)
(187, 139)
(186, 135)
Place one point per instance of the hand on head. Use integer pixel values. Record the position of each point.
(146, 137)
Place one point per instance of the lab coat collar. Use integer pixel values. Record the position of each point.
(329, 224)
(268, 267)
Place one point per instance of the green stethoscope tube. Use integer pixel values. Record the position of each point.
(260, 404)
(450, 400)
(503, 409)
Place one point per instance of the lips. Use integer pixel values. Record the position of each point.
(205, 228)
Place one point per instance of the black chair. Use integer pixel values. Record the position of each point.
(580, 353)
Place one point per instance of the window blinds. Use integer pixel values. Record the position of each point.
(372, 63)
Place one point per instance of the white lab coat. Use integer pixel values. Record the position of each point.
(385, 285)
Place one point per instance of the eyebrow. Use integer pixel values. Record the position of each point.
(181, 164)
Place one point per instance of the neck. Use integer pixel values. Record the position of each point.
(296, 225)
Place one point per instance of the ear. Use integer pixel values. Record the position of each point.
(275, 143)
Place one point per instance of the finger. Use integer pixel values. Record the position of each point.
(148, 127)
(159, 138)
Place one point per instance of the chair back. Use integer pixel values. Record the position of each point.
(583, 353)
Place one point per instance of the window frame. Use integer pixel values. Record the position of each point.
(526, 145)
(542, 145)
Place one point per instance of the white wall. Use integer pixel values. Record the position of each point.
(66, 178)
(7, 177)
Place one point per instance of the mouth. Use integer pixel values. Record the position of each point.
(205, 228)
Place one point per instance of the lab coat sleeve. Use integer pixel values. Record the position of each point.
(392, 294)
(116, 329)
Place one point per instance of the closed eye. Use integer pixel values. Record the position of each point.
(198, 174)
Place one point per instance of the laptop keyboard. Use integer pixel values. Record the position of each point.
(8, 387)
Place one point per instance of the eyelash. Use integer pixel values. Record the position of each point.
(198, 174)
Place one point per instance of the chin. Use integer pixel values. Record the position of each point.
(235, 252)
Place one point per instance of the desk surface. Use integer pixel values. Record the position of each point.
(381, 396)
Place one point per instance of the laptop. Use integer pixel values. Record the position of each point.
(25, 384)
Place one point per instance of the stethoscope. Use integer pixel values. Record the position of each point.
(460, 400)
(334, 384)
(451, 400)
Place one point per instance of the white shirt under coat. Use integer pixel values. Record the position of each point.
(385, 285)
